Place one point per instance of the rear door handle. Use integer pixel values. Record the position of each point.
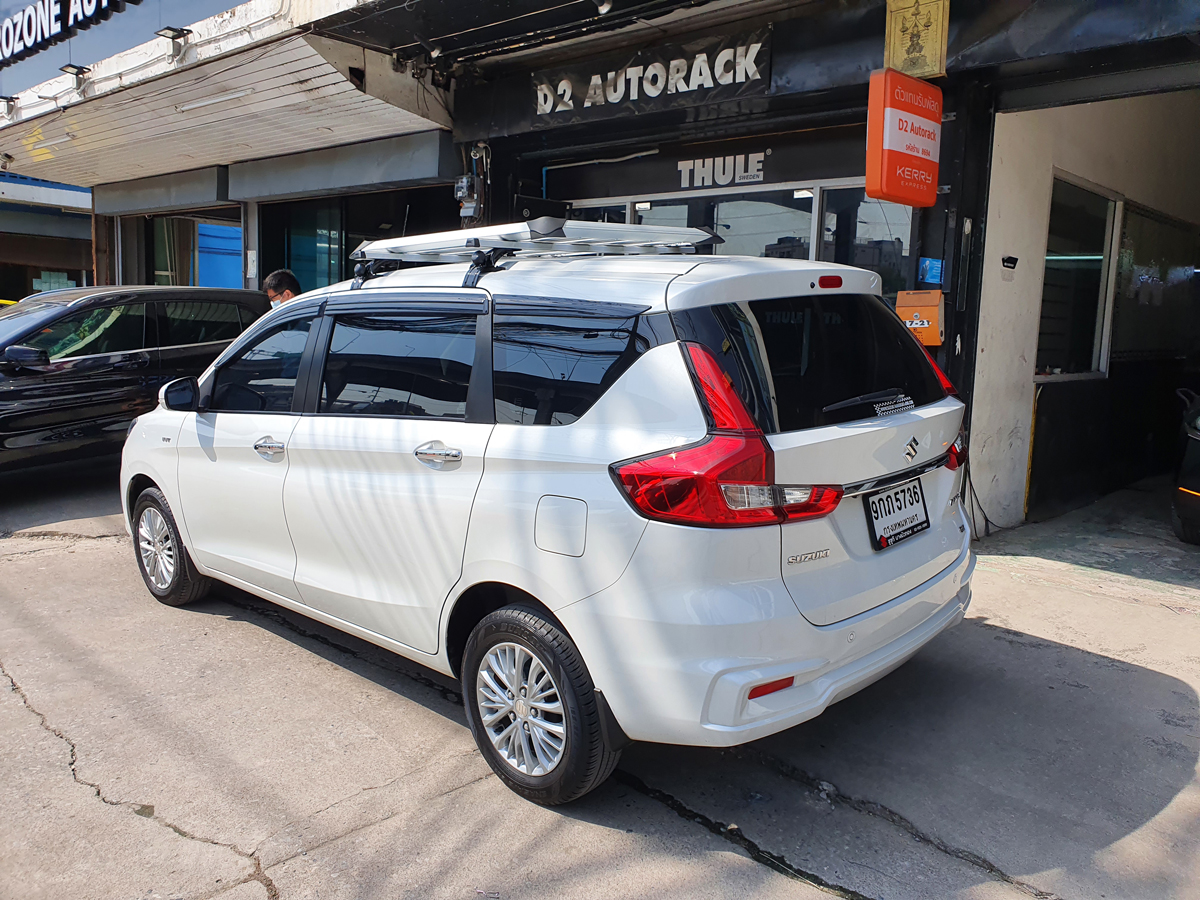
(435, 454)
(267, 447)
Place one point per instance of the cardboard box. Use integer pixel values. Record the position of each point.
(923, 312)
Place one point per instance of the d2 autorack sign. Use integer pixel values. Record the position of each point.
(709, 70)
(904, 137)
(46, 22)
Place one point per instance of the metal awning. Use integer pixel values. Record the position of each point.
(246, 94)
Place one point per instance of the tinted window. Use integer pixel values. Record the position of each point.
(199, 323)
(399, 366)
(549, 370)
(795, 361)
(262, 377)
(110, 329)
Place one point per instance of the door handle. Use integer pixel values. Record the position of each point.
(267, 447)
(435, 454)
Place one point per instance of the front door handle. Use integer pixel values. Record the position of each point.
(267, 447)
(435, 454)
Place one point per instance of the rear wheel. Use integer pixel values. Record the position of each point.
(1187, 530)
(162, 559)
(532, 707)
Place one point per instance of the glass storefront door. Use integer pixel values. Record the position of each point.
(871, 234)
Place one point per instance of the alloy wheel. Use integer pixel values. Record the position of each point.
(521, 709)
(156, 547)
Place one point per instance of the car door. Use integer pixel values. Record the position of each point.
(385, 467)
(234, 455)
(99, 377)
(193, 332)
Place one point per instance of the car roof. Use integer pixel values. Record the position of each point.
(74, 295)
(652, 280)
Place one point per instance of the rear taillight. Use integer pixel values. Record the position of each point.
(727, 480)
(949, 388)
(957, 457)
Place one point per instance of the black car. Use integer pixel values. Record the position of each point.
(77, 365)
(1185, 514)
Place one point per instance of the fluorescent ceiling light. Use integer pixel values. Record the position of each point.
(642, 205)
(216, 98)
(801, 194)
(55, 142)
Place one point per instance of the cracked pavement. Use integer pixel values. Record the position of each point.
(1047, 747)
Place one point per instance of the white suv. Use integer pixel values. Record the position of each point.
(621, 490)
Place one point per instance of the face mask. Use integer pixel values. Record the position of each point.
(275, 303)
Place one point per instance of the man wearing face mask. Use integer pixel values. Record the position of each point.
(281, 286)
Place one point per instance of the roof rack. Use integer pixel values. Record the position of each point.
(537, 238)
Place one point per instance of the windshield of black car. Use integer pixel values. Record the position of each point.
(21, 318)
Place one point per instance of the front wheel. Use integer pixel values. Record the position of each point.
(162, 559)
(532, 707)
(1187, 530)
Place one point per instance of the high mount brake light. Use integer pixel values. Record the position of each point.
(829, 281)
(728, 479)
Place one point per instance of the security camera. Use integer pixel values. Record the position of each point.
(6, 160)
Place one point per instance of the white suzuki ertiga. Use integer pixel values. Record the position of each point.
(620, 489)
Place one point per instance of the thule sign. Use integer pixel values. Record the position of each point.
(42, 24)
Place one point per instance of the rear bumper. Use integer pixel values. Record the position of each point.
(676, 657)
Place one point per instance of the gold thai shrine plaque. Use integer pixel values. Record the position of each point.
(915, 40)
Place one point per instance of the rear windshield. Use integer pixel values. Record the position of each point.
(803, 362)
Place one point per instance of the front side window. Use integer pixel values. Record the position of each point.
(109, 329)
(550, 370)
(198, 322)
(262, 377)
(399, 366)
(804, 362)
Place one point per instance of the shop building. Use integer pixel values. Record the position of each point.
(45, 235)
(1063, 237)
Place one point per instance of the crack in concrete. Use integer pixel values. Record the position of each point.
(144, 810)
(833, 794)
(734, 835)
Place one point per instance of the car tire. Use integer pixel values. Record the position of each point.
(520, 653)
(1187, 530)
(162, 559)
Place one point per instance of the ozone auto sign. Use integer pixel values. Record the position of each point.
(46, 22)
(708, 70)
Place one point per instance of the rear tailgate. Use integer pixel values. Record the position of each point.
(846, 397)
(831, 566)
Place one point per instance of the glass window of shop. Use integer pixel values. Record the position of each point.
(201, 248)
(314, 238)
(778, 223)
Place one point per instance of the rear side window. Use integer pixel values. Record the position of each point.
(198, 323)
(399, 366)
(803, 362)
(262, 378)
(550, 370)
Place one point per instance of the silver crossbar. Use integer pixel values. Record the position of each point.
(544, 237)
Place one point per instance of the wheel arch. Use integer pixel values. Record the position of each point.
(478, 601)
(133, 490)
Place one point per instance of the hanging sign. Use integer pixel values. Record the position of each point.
(904, 136)
(669, 76)
(915, 37)
(46, 22)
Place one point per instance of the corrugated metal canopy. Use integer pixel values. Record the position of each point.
(286, 96)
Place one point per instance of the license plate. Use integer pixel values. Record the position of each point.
(896, 514)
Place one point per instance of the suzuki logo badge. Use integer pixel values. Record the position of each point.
(910, 449)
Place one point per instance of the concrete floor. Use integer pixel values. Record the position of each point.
(1046, 747)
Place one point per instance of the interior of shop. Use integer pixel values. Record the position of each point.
(200, 248)
(1090, 314)
(852, 228)
(314, 238)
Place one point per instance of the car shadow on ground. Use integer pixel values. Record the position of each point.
(1017, 754)
(80, 497)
